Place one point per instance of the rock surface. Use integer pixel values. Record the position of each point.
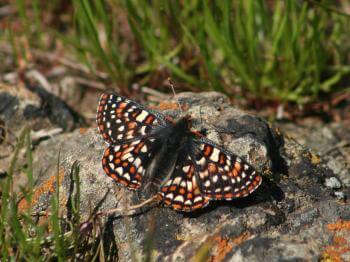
(294, 214)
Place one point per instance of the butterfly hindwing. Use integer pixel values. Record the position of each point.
(224, 175)
(182, 191)
(120, 119)
(127, 163)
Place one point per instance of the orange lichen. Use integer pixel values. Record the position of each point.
(47, 186)
(82, 130)
(166, 106)
(340, 224)
(225, 245)
(340, 243)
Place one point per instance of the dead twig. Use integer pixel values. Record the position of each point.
(45, 133)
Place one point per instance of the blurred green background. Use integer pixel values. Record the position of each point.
(270, 50)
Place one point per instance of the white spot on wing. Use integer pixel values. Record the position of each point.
(126, 176)
(170, 196)
(137, 162)
(126, 156)
(179, 198)
(143, 130)
(197, 199)
(144, 149)
(215, 155)
(177, 180)
(201, 161)
(189, 185)
(186, 168)
(227, 188)
(188, 202)
(141, 117)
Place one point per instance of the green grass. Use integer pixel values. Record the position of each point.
(276, 50)
(21, 237)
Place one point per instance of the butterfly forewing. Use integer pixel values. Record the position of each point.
(127, 163)
(120, 119)
(182, 191)
(223, 175)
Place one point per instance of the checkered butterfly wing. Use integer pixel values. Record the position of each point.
(222, 174)
(182, 191)
(120, 119)
(127, 126)
(127, 163)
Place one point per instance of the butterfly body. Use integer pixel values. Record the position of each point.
(147, 146)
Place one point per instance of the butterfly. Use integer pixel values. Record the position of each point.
(192, 169)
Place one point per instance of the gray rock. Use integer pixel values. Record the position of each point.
(283, 220)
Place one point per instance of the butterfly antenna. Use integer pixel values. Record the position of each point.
(174, 93)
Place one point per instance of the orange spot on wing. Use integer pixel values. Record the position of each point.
(177, 206)
(117, 161)
(207, 150)
(235, 172)
(228, 195)
(222, 159)
(238, 166)
(132, 125)
(182, 191)
(114, 177)
(172, 188)
(118, 154)
(149, 119)
(107, 152)
(198, 205)
(132, 170)
(250, 188)
(125, 164)
(218, 196)
(134, 115)
(122, 105)
(138, 147)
